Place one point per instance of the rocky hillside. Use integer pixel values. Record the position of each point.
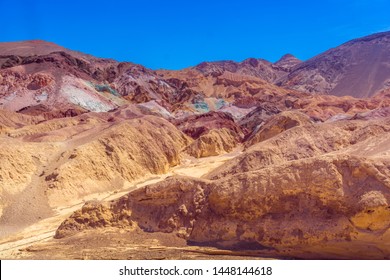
(252, 158)
(313, 190)
(37, 77)
(358, 68)
(59, 162)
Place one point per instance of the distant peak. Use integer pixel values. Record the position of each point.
(287, 62)
(287, 57)
(252, 60)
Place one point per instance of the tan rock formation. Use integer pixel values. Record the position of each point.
(22, 198)
(122, 153)
(55, 163)
(307, 141)
(305, 202)
(213, 143)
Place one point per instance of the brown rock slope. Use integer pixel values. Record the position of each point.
(11, 120)
(300, 205)
(38, 75)
(259, 68)
(358, 68)
(287, 62)
(41, 78)
(20, 165)
(235, 87)
(197, 125)
(277, 124)
(304, 203)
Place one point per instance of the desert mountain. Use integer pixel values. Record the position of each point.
(259, 68)
(44, 76)
(359, 68)
(287, 62)
(234, 156)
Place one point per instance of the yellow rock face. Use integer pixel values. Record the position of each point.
(373, 219)
(375, 214)
(122, 153)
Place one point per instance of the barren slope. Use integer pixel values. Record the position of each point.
(358, 68)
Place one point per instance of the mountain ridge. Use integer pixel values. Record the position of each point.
(358, 68)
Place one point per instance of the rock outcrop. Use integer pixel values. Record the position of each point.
(213, 143)
(198, 125)
(276, 125)
(287, 62)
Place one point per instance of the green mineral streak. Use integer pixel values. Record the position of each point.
(202, 106)
(220, 103)
(104, 88)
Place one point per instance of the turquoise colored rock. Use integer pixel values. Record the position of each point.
(104, 88)
(202, 106)
(220, 103)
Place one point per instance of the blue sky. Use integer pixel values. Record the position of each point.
(178, 34)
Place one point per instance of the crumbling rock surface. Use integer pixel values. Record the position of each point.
(307, 141)
(213, 143)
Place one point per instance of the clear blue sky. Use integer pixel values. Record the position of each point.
(178, 34)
